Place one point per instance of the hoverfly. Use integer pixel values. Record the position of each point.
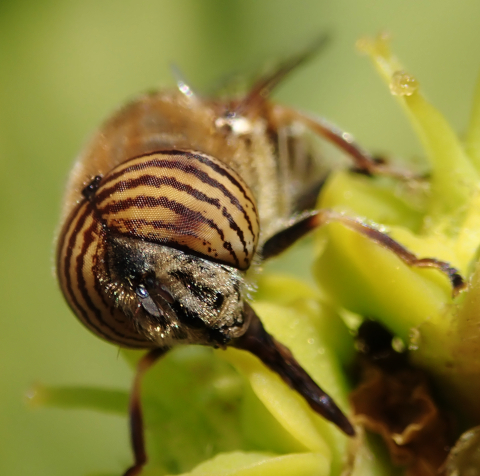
(173, 201)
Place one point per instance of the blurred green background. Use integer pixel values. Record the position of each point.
(64, 66)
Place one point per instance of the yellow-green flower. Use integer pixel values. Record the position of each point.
(206, 416)
(442, 331)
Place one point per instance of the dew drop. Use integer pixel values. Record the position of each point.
(398, 345)
(415, 337)
(31, 394)
(403, 84)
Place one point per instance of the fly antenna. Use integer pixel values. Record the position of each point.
(262, 89)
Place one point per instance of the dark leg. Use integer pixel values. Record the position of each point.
(279, 359)
(281, 116)
(285, 238)
(135, 412)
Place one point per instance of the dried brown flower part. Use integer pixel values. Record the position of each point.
(397, 404)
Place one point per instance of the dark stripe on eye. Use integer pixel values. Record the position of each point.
(88, 239)
(193, 216)
(75, 228)
(97, 285)
(224, 173)
(220, 170)
(133, 224)
(67, 261)
(156, 182)
(233, 225)
(190, 169)
(96, 270)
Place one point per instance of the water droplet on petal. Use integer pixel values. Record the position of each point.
(31, 393)
(403, 84)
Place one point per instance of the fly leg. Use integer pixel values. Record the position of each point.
(137, 430)
(308, 222)
(281, 116)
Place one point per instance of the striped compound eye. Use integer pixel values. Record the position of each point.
(185, 200)
(128, 255)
